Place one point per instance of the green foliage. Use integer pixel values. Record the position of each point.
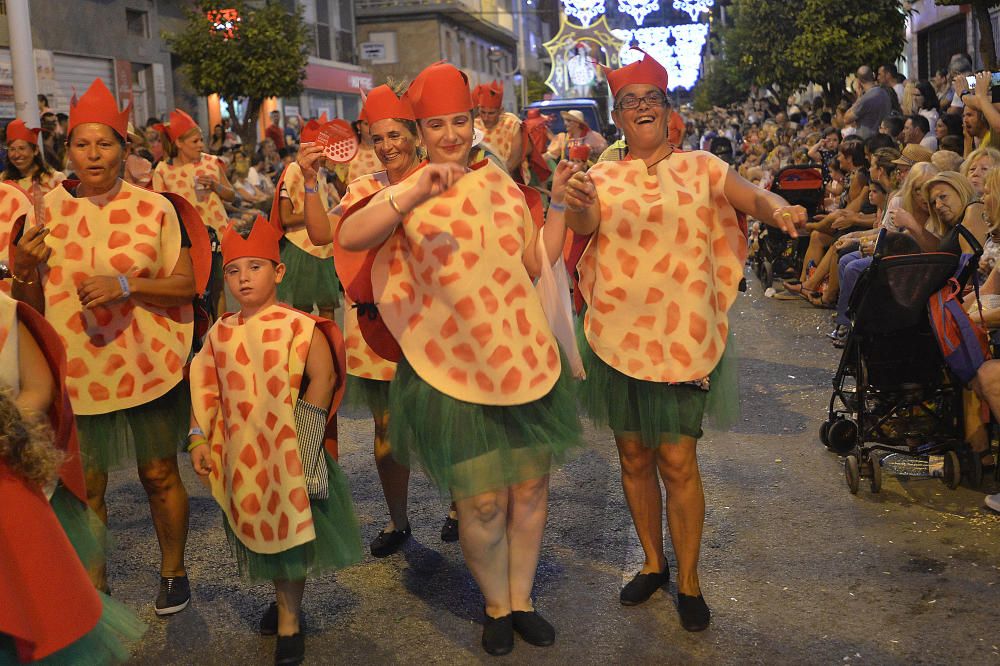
(720, 85)
(785, 45)
(267, 57)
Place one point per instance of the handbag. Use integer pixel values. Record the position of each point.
(553, 292)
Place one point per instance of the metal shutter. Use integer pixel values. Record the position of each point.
(73, 71)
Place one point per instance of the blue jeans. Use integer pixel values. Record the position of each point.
(850, 268)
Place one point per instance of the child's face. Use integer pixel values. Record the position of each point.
(253, 281)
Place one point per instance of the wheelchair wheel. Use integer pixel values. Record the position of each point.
(842, 436)
(824, 433)
(767, 279)
(876, 469)
(852, 473)
(952, 470)
(972, 470)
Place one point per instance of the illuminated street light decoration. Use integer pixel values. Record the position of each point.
(693, 7)
(224, 22)
(584, 11)
(677, 47)
(640, 9)
(573, 52)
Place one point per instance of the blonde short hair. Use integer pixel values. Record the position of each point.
(955, 181)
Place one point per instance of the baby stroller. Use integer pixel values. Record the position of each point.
(893, 392)
(777, 254)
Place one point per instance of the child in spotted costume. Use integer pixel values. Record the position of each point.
(481, 399)
(264, 392)
(659, 275)
(114, 271)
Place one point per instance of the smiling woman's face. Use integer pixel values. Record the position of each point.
(645, 125)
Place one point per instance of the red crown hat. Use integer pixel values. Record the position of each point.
(310, 131)
(439, 90)
(16, 129)
(382, 103)
(180, 124)
(262, 242)
(98, 105)
(647, 71)
(490, 95)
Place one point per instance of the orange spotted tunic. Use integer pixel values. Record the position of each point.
(364, 163)
(13, 204)
(505, 137)
(294, 184)
(180, 180)
(245, 382)
(663, 268)
(451, 287)
(47, 182)
(126, 353)
(362, 361)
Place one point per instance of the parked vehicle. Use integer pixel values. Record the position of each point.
(590, 109)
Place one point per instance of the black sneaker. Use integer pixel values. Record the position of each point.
(449, 531)
(642, 587)
(174, 596)
(694, 612)
(387, 543)
(498, 635)
(533, 628)
(290, 650)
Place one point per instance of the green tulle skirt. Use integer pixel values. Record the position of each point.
(337, 543)
(370, 393)
(308, 280)
(106, 643)
(467, 449)
(659, 412)
(142, 433)
(85, 531)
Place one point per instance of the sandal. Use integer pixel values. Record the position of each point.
(815, 299)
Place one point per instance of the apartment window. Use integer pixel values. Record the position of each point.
(323, 42)
(136, 22)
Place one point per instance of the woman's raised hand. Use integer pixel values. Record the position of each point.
(31, 251)
(435, 179)
(309, 156)
(580, 191)
(564, 171)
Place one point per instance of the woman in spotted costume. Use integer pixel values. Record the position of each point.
(201, 179)
(114, 271)
(26, 166)
(480, 398)
(394, 138)
(659, 275)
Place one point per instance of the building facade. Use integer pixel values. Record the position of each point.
(935, 33)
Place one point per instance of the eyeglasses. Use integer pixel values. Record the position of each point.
(632, 102)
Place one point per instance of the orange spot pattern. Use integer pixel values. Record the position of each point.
(13, 204)
(504, 137)
(180, 180)
(120, 355)
(666, 265)
(365, 163)
(245, 404)
(472, 337)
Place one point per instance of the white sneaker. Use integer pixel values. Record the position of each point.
(993, 501)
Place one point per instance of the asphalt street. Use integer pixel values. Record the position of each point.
(795, 569)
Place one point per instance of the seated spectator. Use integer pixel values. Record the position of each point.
(824, 151)
(951, 201)
(911, 154)
(947, 160)
(980, 117)
(916, 130)
(925, 99)
(977, 164)
(892, 125)
(217, 141)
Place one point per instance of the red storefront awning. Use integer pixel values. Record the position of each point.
(336, 79)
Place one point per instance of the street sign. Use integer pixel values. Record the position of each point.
(372, 51)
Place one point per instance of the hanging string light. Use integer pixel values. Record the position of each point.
(677, 47)
(638, 9)
(584, 11)
(692, 7)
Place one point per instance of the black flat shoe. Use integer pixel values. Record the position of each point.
(387, 543)
(290, 650)
(498, 635)
(642, 587)
(449, 531)
(694, 612)
(269, 621)
(533, 628)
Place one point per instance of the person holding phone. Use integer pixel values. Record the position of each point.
(981, 116)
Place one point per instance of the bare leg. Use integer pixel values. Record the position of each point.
(484, 543)
(288, 594)
(822, 270)
(526, 514)
(97, 485)
(395, 478)
(168, 504)
(645, 501)
(678, 465)
(818, 242)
